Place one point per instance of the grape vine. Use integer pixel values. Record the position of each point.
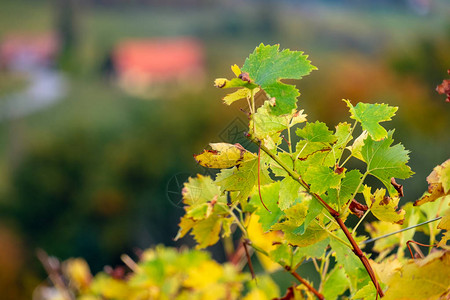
(290, 202)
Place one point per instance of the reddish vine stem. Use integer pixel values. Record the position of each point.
(250, 265)
(304, 282)
(332, 212)
(417, 243)
(259, 177)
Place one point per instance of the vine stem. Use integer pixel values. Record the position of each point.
(304, 282)
(289, 269)
(333, 213)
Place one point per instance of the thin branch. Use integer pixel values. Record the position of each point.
(52, 267)
(259, 177)
(398, 231)
(304, 282)
(249, 260)
(417, 243)
(287, 268)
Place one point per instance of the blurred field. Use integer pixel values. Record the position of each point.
(88, 176)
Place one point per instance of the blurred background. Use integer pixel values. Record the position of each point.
(103, 103)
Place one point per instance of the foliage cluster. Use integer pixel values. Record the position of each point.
(291, 202)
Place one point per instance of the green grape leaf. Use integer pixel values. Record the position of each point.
(343, 134)
(243, 178)
(349, 185)
(321, 178)
(316, 132)
(336, 283)
(438, 183)
(370, 115)
(382, 207)
(385, 162)
(267, 65)
(315, 250)
(295, 216)
(269, 194)
(290, 191)
(282, 254)
(223, 156)
(277, 170)
(353, 267)
(367, 292)
(427, 278)
(267, 127)
(314, 209)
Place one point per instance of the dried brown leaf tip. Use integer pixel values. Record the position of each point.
(444, 88)
(397, 187)
(338, 170)
(357, 208)
(244, 77)
(289, 294)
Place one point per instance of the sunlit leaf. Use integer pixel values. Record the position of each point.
(223, 156)
(370, 115)
(383, 207)
(438, 183)
(267, 66)
(385, 162)
(427, 278)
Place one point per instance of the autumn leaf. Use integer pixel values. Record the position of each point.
(438, 183)
(243, 178)
(427, 278)
(383, 207)
(224, 155)
(263, 240)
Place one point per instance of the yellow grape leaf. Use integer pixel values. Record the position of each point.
(204, 275)
(445, 224)
(109, 288)
(427, 278)
(238, 95)
(264, 241)
(263, 288)
(236, 70)
(185, 225)
(383, 207)
(224, 156)
(380, 228)
(438, 183)
(79, 273)
(206, 232)
(357, 145)
(387, 268)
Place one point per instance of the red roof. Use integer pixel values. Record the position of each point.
(158, 59)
